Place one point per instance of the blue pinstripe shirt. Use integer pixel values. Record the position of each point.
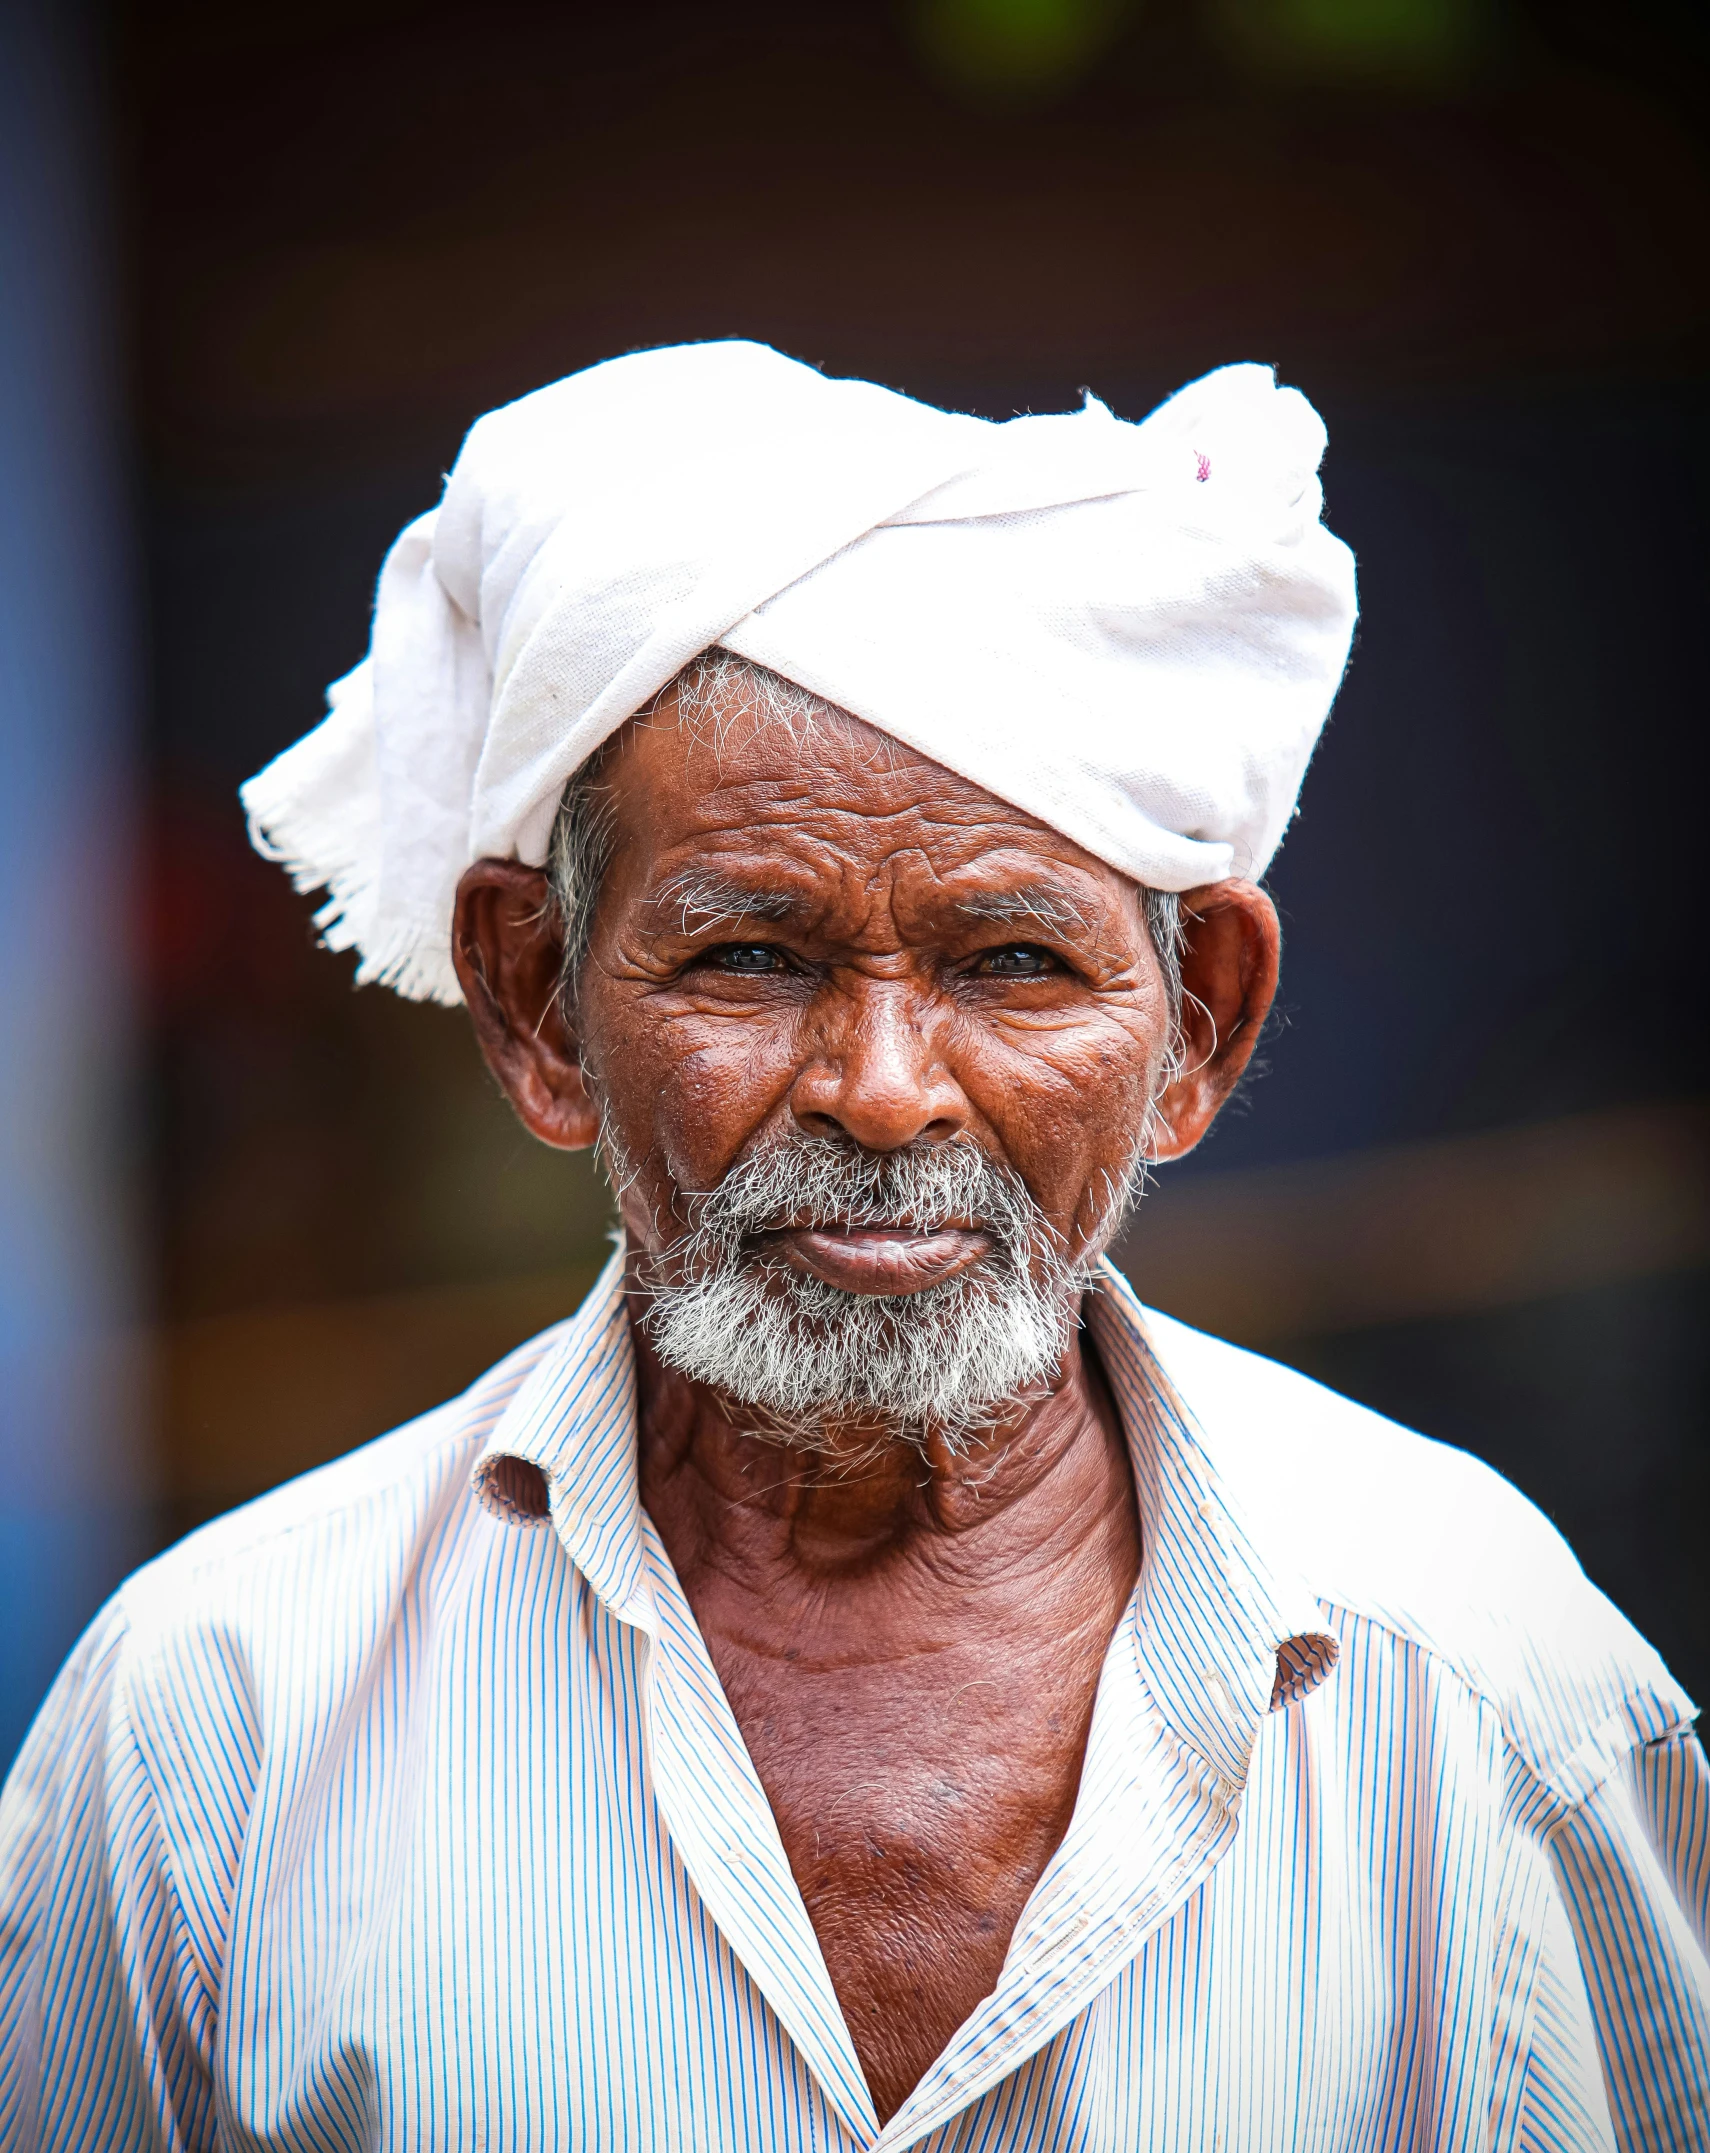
(385, 1814)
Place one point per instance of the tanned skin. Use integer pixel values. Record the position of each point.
(911, 1650)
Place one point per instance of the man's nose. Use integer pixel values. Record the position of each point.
(876, 1074)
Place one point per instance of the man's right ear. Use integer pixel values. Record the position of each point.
(509, 953)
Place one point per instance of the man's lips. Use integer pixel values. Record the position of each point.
(879, 1259)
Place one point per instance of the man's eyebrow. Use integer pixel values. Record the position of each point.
(1029, 904)
(707, 898)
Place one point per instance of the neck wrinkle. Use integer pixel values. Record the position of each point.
(757, 1509)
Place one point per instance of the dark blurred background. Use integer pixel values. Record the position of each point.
(261, 267)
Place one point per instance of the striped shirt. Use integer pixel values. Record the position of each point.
(388, 1813)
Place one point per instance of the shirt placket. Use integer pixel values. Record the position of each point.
(722, 1827)
(1152, 1819)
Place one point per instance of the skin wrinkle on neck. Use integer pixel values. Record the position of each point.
(752, 1499)
(843, 1601)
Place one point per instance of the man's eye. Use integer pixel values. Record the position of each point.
(1020, 962)
(745, 957)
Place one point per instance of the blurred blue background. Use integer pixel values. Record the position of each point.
(77, 1489)
(261, 268)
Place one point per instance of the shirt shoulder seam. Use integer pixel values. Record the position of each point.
(1608, 1741)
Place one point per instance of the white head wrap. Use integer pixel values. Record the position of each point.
(1134, 632)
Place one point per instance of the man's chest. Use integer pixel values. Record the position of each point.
(532, 1879)
(524, 1938)
(918, 1802)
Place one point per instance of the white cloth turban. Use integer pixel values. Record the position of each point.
(1134, 632)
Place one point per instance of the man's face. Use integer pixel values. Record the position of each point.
(821, 933)
(874, 1053)
(875, 1056)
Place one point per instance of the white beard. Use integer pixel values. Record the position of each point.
(806, 1356)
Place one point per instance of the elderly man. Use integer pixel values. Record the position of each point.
(859, 1681)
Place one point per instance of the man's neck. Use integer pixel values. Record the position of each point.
(1054, 1471)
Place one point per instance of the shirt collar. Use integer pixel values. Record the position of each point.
(1226, 1629)
(563, 1451)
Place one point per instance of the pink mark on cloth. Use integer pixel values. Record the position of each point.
(1204, 471)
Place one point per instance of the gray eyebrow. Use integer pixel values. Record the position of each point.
(1033, 903)
(709, 898)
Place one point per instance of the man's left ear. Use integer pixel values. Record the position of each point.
(1229, 977)
(509, 952)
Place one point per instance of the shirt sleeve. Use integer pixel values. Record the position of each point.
(104, 2019)
(1632, 1867)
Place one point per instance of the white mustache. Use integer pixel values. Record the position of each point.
(809, 1358)
(802, 1181)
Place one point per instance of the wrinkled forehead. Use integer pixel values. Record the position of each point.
(806, 797)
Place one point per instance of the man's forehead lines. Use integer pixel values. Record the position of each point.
(815, 838)
(820, 800)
